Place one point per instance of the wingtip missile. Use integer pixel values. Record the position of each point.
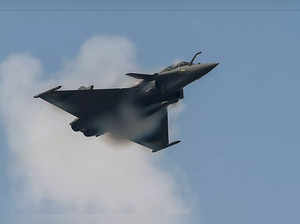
(48, 91)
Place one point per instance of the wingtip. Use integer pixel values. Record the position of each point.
(172, 143)
(48, 91)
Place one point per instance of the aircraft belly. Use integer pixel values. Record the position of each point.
(126, 122)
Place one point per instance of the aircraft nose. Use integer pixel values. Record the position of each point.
(210, 66)
(203, 69)
(192, 73)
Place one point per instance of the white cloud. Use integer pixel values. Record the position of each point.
(80, 180)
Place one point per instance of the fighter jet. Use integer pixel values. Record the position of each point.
(138, 113)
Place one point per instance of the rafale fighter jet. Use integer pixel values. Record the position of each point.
(138, 113)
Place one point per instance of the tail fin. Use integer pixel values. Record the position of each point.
(146, 77)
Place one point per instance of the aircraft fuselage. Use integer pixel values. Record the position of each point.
(138, 113)
(144, 99)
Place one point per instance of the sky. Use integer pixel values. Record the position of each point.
(239, 125)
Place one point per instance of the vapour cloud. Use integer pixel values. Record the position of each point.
(58, 175)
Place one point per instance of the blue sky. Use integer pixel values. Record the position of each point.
(240, 125)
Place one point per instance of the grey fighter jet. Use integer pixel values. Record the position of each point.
(138, 113)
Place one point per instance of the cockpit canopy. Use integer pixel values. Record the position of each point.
(176, 65)
(180, 64)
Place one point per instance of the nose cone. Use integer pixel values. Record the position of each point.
(208, 67)
(200, 70)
